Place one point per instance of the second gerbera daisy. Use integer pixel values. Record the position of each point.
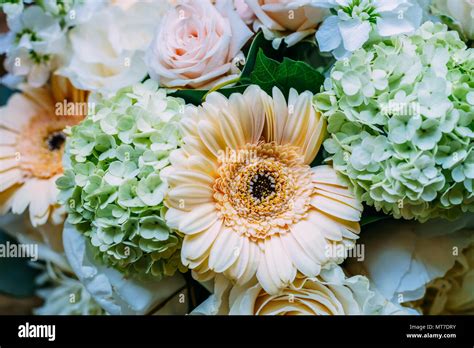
(244, 195)
(31, 148)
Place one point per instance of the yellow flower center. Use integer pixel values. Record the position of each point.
(262, 189)
(41, 143)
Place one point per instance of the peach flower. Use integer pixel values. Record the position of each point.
(196, 44)
(288, 20)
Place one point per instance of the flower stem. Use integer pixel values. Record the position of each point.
(221, 85)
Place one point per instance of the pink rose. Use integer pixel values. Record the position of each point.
(288, 20)
(196, 43)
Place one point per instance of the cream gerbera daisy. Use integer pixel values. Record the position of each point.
(244, 195)
(31, 149)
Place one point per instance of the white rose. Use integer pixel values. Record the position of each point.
(196, 43)
(402, 257)
(288, 20)
(108, 50)
(331, 293)
(116, 293)
(460, 11)
(454, 292)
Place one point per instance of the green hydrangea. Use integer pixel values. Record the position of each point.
(112, 187)
(401, 121)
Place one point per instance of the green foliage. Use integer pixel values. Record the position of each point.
(299, 67)
(269, 73)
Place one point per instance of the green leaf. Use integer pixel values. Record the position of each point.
(258, 43)
(269, 73)
(191, 96)
(197, 96)
(307, 51)
(368, 218)
(17, 276)
(4, 94)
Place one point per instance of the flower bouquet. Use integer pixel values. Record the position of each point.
(248, 157)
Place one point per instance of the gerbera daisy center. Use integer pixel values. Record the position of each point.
(41, 144)
(267, 189)
(261, 186)
(56, 140)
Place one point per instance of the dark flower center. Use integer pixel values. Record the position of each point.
(262, 186)
(56, 140)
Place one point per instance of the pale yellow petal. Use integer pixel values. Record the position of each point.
(335, 208)
(303, 262)
(196, 245)
(199, 219)
(225, 250)
(327, 175)
(265, 277)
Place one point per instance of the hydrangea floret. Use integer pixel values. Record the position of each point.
(401, 122)
(112, 186)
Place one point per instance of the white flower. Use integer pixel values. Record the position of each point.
(331, 293)
(287, 20)
(72, 12)
(13, 8)
(31, 149)
(453, 293)
(32, 45)
(56, 283)
(64, 295)
(461, 12)
(107, 51)
(244, 196)
(114, 292)
(359, 20)
(403, 257)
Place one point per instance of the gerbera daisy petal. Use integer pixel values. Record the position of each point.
(7, 151)
(284, 266)
(7, 164)
(198, 219)
(231, 130)
(10, 178)
(210, 137)
(182, 177)
(265, 277)
(326, 175)
(194, 246)
(238, 268)
(24, 110)
(225, 250)
(300, 258)
(335, 208)
(7, 137)
(309, 237)
(21, 200)
(252, 263)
